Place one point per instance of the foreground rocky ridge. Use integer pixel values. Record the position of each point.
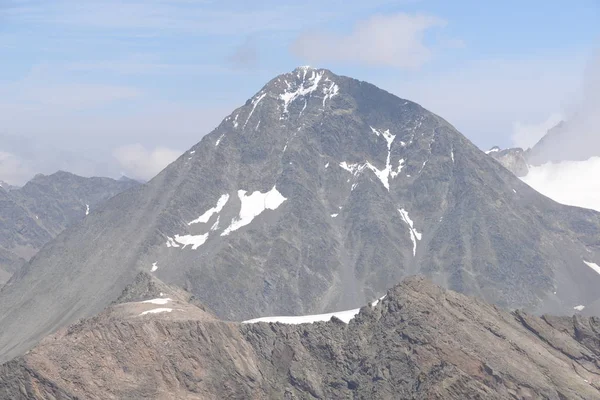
(420, 342)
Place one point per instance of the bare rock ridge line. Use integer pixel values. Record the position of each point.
(314, 196)
(420, 341)
(32, 215)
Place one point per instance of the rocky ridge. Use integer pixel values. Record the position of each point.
(420, 342)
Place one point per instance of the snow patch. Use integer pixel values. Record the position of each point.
(330, 92)
(191, 240)
(395, 173)
(344, 316)
(579, 308)
(204, 218)
(592, 265)
(354, 169)
(87, 209)
(171, 242)
(385, 173)
(252, 206)
(414, 234)
(382, 174)
(334, 215)
(327, 165)
(154, 267)
(219, 140)
(307, 87)
(235, 123)
(158, 301)
(156, 311)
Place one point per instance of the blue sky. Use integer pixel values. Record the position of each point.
(103, 87)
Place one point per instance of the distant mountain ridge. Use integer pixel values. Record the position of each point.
(37, 212)
(314, 196)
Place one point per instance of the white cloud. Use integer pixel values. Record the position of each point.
(141, 163)
(392, 40)
(579, 137)
(526, 135)
(573, 183)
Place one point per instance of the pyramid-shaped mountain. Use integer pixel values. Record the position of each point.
(316, 195)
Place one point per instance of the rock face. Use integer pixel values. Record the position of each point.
(513, 159)
(315, 196)
(420, 342)
(34, 214)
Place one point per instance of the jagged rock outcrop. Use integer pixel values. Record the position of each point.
(419, 342)
(513, 159)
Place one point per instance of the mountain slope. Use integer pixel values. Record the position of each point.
(34, 214)
(419, 342)
(312, 197)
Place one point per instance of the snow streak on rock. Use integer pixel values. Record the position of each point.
(382, 174)
(307, 87)
(204, 218)
(254, 104)
(414, 234)
(593, 266)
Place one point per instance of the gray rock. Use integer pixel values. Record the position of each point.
(338, 240)
(420, 342)
(513, 159)
(34, 214)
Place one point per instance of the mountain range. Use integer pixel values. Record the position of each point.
(316, 195)
(34, 214)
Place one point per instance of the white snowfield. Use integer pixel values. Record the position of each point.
(156, 311)
(252, 206)
(191, 240)
(204, 218)
(574, 183)
(344, 316)
(579, 308)
(159, 301)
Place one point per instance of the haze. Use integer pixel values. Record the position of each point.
(123, 87)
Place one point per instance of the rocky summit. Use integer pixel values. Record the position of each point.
(316, 195)
(419, 342)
